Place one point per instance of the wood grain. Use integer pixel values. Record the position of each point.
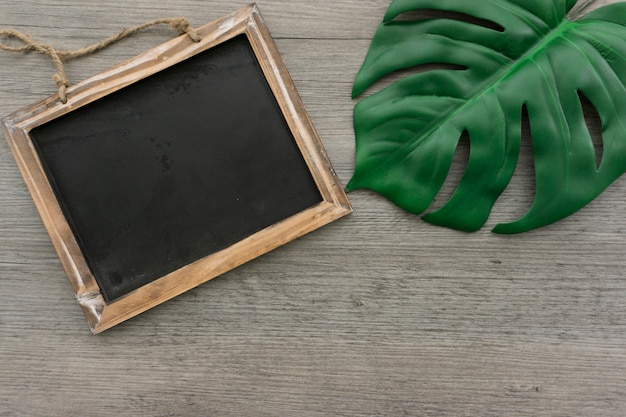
(376, 314)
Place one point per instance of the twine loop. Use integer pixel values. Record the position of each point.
(180, 24)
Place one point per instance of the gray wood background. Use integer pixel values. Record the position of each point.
(376, 314)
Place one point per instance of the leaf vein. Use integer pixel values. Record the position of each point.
(595, 40)
(550, 81)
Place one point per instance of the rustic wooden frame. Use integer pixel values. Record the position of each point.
(100, 314)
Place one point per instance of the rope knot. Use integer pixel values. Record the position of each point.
(182, 26)
(62, 83)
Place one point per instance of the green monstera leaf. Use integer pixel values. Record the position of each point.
(515, 55)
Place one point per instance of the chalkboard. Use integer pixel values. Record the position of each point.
(167, 180)
(178, 166)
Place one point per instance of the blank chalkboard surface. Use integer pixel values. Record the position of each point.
(168, 170)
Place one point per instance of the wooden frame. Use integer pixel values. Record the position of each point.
(101, 314)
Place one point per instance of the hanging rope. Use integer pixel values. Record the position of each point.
(57, 56)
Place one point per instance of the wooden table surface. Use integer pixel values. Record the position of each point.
(378, 313)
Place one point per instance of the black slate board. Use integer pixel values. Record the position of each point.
(175, 167)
